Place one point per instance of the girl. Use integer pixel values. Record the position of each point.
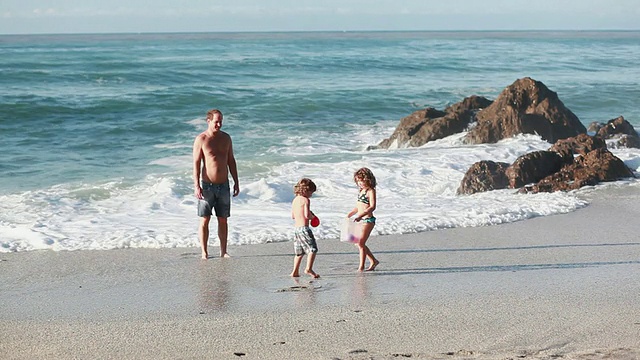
(365, 205)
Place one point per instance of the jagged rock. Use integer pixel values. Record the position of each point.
(431, 124)
(628, 141)
(594, 127)
(525, 107)
(590, 169)
(619, 127)
(532, 167)
(471, 103)
(580, 144)
(484, 176)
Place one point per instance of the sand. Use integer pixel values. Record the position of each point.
(564, 286)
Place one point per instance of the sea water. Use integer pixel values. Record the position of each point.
(97, 130)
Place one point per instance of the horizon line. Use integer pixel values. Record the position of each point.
(316, 31)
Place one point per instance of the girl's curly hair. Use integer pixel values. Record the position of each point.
(366, 176)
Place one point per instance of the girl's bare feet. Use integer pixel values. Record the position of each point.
(373, 265)
(205, 256)
(295, 274)
(312, 274)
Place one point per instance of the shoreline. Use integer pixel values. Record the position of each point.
(555, 286)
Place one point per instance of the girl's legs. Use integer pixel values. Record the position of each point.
(364, 249)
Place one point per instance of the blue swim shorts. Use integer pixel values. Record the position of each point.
(216, 197)
(303, 241)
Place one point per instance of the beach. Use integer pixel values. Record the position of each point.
(562, 286)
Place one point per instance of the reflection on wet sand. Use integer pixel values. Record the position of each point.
(359, 292)
(213, 285)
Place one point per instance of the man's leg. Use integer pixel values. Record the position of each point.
(203, 234)
(223, 233)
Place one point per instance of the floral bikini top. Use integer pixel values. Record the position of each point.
(362, 197)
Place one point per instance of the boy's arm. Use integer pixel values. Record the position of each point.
(306, 210)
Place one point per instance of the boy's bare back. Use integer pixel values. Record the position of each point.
(300, 211)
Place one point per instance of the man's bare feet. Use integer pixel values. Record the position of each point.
(225, 255)
(373, 265)
(312, 274)
(295, 274)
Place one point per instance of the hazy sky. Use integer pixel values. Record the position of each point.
(108, 16)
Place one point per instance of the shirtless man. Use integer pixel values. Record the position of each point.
(213, 160)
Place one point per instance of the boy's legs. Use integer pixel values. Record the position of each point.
(296, 266)
(309, 270)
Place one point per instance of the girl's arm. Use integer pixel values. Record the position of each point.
(352, 212)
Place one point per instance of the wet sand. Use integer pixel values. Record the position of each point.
(564, 286)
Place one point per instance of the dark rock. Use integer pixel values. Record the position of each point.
(590, 169)
(594, 127)
(484, 176)
(525, 107)
(471, 103)
(431, 124)
(628, 141)
(533, 167)
(580, 145)
(619, 127)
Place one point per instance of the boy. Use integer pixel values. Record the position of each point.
(303, 242)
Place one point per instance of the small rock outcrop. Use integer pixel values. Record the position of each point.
(533, 167)
(580, 145)
(484, 176)
(545, 171)
(525, 107)
(431, 124)
(621, 129)
(590, 169)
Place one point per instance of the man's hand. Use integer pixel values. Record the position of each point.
(198, 192)
(236, 189)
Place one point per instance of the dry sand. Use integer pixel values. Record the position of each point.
(564, 286)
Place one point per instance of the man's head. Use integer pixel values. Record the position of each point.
(214, 119)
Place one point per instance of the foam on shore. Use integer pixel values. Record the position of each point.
(563, 285)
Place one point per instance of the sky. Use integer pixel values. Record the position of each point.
(134, 16)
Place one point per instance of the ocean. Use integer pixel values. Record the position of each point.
(97, 130)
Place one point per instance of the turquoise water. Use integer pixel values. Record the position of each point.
(92, 116)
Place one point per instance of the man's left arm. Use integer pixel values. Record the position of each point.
(233, 169)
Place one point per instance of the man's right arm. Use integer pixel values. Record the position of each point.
(197, 163)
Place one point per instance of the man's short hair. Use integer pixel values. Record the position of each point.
(212, 112)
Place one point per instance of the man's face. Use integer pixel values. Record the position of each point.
(216, 123)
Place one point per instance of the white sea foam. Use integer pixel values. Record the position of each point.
(416, 192)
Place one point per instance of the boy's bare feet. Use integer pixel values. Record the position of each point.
(373, 265)
(312, 274)
(295, 274)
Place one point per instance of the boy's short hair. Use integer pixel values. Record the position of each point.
(366, 176)
(305, 185)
